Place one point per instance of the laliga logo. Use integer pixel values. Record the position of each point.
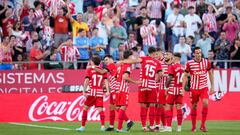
(42, 109)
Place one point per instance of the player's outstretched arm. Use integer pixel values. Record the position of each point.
(101, 71)
(131, 61)
(127, 78)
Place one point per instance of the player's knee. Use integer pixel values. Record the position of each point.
(179, 106)
(194, 106)
(205, 103)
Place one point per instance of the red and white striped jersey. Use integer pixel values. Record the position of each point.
(130, 44)
(155, 9)
(150, 39)
(149, 68)
(112, 69)
(164, 77)
(199, 73)
(69, 54)
(123, 84)
(176, 70)
(39, 17)
(96, 81)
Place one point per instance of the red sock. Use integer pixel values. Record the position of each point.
(194, 117)
(121, 114)
(84, 117)
(112, 117)
(102, 118)
(143, 115)
(162, 114)
(204, 115)
(125, 117)
(168, 117)
(179, 117)
(151, 115)
(157, 115)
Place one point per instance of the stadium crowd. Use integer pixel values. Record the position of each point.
(73, 30)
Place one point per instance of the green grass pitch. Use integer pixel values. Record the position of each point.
(214, 127)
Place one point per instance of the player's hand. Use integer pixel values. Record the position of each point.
(138, 82)
(211, 91)
(85, 95)
(182, 92)
(107, 93)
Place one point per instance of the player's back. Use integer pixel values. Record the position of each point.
(149, 68)
(95, 82)
(177, 71)
(121, 70)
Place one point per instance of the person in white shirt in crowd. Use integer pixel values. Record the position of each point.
(192, 21)
(184, 49)
(148, 33)
(175, 21)
(131, 42)
(161, 31)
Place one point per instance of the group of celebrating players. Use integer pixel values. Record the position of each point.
(162, 84)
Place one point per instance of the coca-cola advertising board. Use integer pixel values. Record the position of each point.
(27, 96)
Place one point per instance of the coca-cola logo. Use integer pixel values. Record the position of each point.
(44, 110)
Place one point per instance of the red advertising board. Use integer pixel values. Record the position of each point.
(27, 96)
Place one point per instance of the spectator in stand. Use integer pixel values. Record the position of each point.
(184, 49)
(148, 33)
(36, 55)
(8, 21)
(28, 21)
(18, 33)
(82, 43)
(69, 54)
(131, 42)
(3, 8)
(231, 27)
(222, 48)
(77, 25)
(192, 21)
(235, 53)
(161, 31)
(60, 27)
(52, 58)
(24, 9)
(20, 66)
(211, 57)
(118, 54)
(139, 23)
(175, 21)
(190, 42)
(102, 30)
(34, 36)
(118, 35)
(184, 8)
(201, 8)
(39, 17)
(17, 48)
(96, 44)
(154, 8)
(6, 53)
(209, 21)
(205, 43)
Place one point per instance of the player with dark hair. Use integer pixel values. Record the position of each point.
(174, 93)
(199, 68)
(123, 78)
(166, 61)
(147, 94)
(94, 96)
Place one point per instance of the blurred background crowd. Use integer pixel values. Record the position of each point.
(74, 30)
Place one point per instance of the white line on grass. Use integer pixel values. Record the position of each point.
(38, 126)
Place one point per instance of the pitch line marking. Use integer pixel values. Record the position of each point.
(38, 126)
